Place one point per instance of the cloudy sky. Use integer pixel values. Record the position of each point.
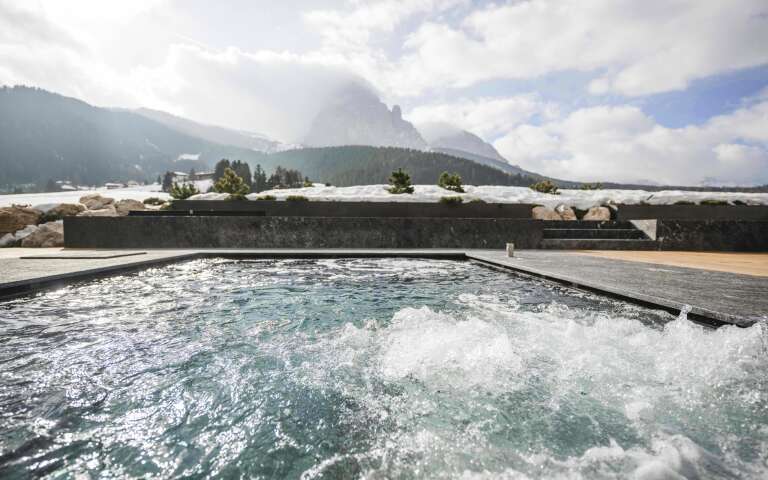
(674, 91)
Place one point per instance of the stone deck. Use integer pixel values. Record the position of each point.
(715, 296)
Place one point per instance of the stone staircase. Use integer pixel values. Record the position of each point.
(584, 235)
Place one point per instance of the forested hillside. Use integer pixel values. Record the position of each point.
(362, 165)
(47, 136)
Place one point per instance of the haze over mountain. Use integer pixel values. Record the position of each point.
(213, 133)
(444, 135)
(354, 115)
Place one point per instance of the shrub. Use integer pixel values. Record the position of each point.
(451, 200)
(232, 184)
(267, 197)
(450, 181)
(183, 191)
(400, 182)
(591, 186)
(307, 182)
(739, 203)
(477, 200)
(153, 201)
(545, 186)
(296, 198)
(713, 202)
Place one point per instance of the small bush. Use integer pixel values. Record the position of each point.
(308, 183)
(713, 202)
(267, 197)
(232, 184)
(591, 186)
(296, 198)
(545, 186)
(183, 191)
(684, 202)
(450, 181)
(451, 200)
(739, 203)
(153, 201)
(400, 182)
(328, 184)
(477, 200)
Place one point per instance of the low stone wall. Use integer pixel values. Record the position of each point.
(712, 235)
(361, 209)
(692, 212)
(298, 232)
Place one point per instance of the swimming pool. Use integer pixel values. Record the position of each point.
(375, 368)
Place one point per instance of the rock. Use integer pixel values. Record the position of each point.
(14, 239)
(544, 213)
(13, 219)
(598, 214)
(7, 240)
(49, 234)
(63, 210)
(125, 206)
(95, 201)
(565, 212)
(108, 211)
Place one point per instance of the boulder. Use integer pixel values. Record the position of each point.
(125, 206)
(598, 214)
(63, 210)
(107, 211)
(14, 239)
(95, 201)
(49, 234)
(565, 212)
(13, 219)
(7, 240)
(544, 213)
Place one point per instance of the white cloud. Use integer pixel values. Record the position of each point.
(623, 144)
(487, 117)
(641, 47)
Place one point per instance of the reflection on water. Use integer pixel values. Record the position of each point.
(369, 368)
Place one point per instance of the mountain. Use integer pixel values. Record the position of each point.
(212, 133)
(364, 165)
(48, 136)
(441, 135)
(354, 115)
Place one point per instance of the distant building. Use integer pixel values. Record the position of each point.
(202, 176)
(112, 186)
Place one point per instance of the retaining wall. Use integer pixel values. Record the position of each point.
(692, 212)
(712, 235)
(298, 232)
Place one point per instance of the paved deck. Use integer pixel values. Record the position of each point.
(722, 297)
(733, 262)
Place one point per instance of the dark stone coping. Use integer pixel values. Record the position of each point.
(592, 274)
(360, 209)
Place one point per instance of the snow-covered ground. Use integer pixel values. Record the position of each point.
(45, 200)
(422, 193)
(495, 194)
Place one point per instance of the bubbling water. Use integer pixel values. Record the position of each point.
(371, 369)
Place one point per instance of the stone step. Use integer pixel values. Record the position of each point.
(585, 224)
(594, 233)
(596, 244)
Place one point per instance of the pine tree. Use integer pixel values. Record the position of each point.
(259, 180)
(218, 170)
(450, 181)
(400, 182)
(167, 181)
(243, 170)
(183, 191)
(232, 184)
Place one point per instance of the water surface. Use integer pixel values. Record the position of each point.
(385, 368)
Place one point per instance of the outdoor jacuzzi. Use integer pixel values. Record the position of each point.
(373, 368)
